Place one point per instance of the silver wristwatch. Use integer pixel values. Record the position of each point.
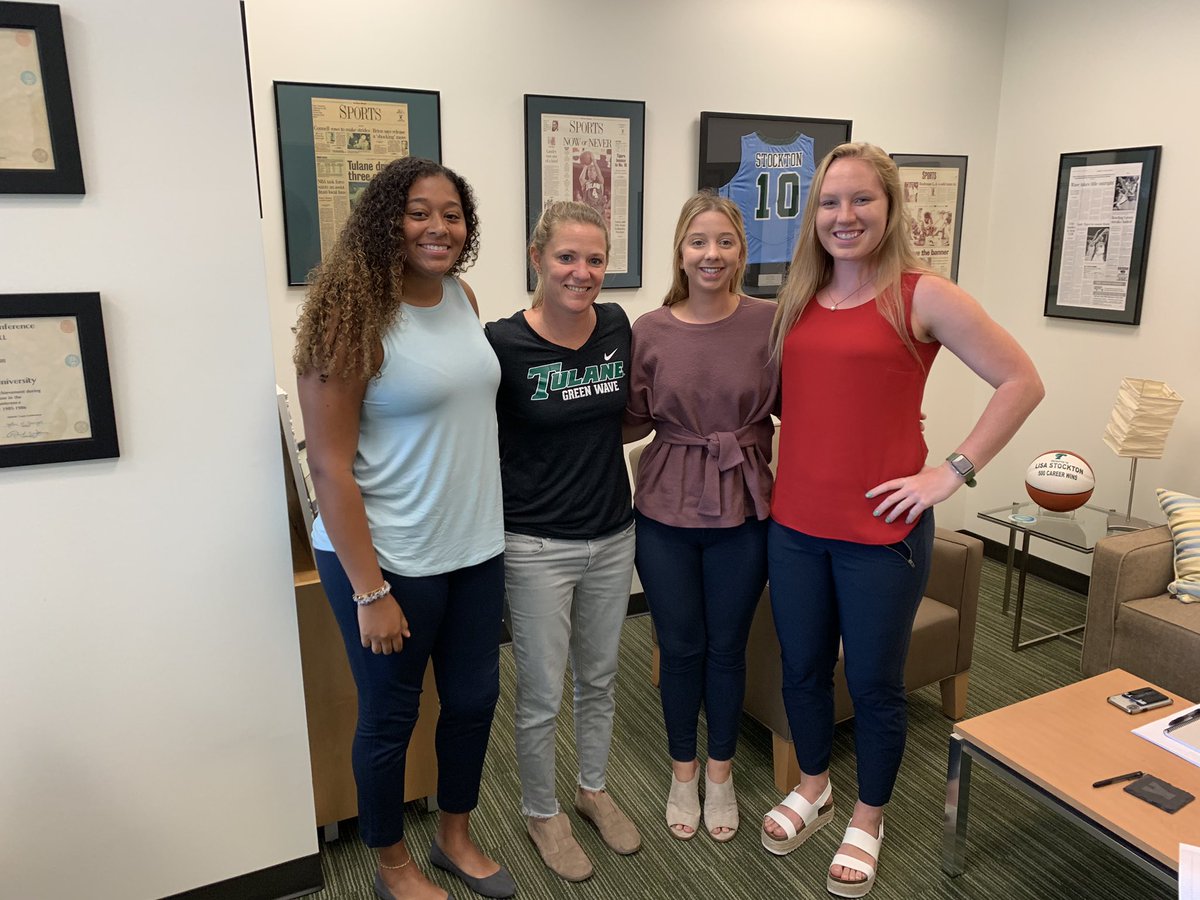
(963, 467)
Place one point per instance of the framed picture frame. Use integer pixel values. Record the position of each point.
(39, 145)
(591, 151)
(332, 141)
(934, 188)
(765, 164)
(1103, 210)
(56, 401)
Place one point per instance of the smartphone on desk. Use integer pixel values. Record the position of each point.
(1140, 700)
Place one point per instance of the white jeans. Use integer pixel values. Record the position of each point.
(565, 596)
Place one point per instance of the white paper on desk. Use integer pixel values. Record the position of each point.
(1189, 872)
(1153, 732)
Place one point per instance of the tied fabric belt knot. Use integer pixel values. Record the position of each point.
(724, 452)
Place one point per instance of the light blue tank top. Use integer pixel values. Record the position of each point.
(428, 461)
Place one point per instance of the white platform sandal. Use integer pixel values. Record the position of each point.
(864, 841)
(813, 815)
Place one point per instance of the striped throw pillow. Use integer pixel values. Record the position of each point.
(1183, 515)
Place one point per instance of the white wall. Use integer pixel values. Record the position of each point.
(1090, 75)
(153, 734)
(916, 76)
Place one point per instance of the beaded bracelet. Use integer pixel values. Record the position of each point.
(369, 598)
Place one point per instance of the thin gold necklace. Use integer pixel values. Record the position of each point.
(834, 305)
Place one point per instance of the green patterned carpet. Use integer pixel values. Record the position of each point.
(1016, 850)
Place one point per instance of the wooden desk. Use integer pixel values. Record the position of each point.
(1053, 747)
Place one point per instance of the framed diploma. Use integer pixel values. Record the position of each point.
(765, 165)
(39, 147)
(593, 152)
(56, 400)
(332, 140)
(1102, 216)
(933, 189)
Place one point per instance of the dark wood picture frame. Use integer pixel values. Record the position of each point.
(297, 155)
(538, 105)
(84, 308)
(45, 21)
(1116, 289)
(941, 161)
(721, 137)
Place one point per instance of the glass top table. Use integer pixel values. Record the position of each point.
(1078, 530)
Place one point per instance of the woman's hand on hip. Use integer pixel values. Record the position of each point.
(912, 495)
(382, 625)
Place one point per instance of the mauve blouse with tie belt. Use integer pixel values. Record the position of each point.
(709, 391)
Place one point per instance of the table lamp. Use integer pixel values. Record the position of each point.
(1138, 428)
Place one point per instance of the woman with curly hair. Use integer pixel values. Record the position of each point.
(397, 386)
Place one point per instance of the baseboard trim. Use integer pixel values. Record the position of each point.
(297, 878)
(1050, 571)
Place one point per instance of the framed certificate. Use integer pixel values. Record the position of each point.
(39, 147)
(56, 401)
(933, 188)
(1101, 242)
(593, 152)
(333, 138)
(765, 165)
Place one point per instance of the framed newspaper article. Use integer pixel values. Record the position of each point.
(332, 141)
(765, 164)
(39, 146)
(593, 152)
(56, 402)
(1102, 217)
(933, 198)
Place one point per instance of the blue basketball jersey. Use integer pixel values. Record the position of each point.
(770, 188)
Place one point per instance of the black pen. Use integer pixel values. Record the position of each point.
(1128, 776)
(1186, 717)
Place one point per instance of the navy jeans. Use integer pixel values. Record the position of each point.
(823, 590)
(702, 586)
(455, 621)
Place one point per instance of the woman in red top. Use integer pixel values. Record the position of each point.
(858, 326)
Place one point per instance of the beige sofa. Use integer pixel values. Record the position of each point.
(1132, 622)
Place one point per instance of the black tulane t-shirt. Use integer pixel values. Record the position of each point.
(562, 461)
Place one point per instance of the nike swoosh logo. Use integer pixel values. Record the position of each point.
(608, 356)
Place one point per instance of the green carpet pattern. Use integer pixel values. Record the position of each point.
(1016, 849)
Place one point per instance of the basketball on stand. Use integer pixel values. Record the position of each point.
(1060, 481)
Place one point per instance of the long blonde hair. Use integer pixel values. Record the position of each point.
(702, 202)
(812, 266)
(555, 214)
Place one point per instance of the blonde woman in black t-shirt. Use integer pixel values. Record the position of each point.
(568, 521)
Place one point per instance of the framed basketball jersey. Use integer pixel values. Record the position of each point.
(765, 164)
(770, 188)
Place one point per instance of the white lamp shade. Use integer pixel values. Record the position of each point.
(1141, 418)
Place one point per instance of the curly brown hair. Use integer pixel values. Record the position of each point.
(354, 294)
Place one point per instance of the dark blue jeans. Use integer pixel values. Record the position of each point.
(455, 621)
(823, 590)
(702, 586)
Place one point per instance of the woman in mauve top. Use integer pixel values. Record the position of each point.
(702, 380)
(858, 326)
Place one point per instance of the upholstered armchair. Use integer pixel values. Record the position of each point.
(1132, 622)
